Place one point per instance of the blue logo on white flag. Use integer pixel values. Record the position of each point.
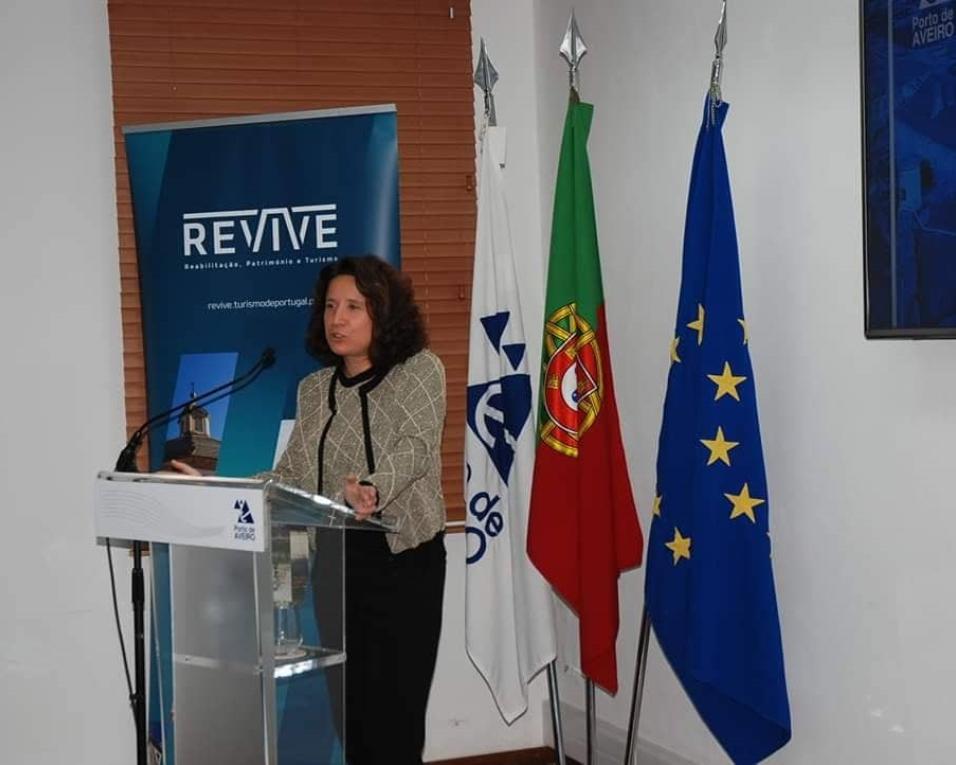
(508, 621)
(498, 410)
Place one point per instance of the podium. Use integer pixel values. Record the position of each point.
(248, 639)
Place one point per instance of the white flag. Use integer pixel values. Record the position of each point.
(509, 622)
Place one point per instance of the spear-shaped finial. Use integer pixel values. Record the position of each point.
(485, 77)
(717, 68)
(573, 50)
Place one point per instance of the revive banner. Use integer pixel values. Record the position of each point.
(234, 220)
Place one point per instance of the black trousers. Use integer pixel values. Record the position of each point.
(393, 610)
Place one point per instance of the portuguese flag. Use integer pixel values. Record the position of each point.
(583, 528)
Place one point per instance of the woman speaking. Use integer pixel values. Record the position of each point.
(368, 432)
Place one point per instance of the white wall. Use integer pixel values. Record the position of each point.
(62, 697)
(857, 434)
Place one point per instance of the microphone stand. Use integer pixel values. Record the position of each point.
(126, 463)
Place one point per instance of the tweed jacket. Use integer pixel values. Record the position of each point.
(385, 428)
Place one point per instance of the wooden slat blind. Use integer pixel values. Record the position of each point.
(183, 60)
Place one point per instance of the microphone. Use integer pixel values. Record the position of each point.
(126, 462)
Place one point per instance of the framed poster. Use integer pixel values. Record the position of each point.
(908, 59)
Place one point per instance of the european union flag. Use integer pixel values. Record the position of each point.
(709, 585)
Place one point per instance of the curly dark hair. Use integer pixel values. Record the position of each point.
(398, 330)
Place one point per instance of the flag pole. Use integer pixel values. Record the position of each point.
(717, 68)
(573, 50)
(638, 695)
(556, 713)
(640, 668)
(485, 78)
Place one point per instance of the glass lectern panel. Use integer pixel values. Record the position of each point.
(248, 643)
(216, 656)
(309, 643)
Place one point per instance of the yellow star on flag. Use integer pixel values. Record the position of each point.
(656, 506)
(719, 448)
(698, 324)
(726, 383)
(743, 325)
(675, 359)
(680, 546)
(744, 504)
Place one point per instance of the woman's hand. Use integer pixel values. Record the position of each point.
(182, 467)
(363, 499)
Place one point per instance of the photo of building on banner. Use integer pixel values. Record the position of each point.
(234, 220)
